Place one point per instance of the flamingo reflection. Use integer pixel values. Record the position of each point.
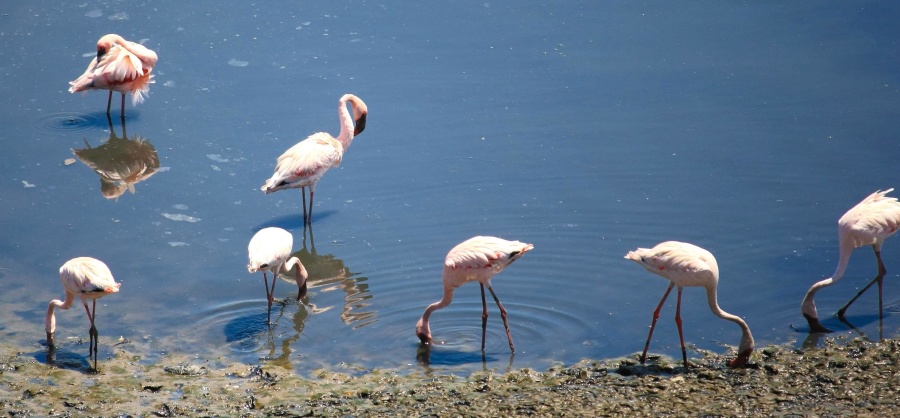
(120, 162)
(329, 273)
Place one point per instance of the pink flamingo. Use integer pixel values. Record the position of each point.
(684, 264)
(120, 66)
(305, 163)
(868, 223)
(476, 259)
(270, 249)
(90, 279)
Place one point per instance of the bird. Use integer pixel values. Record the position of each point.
(121, 66)
(684, 264)
(270, 250)
(89, 279)
(870, 222)
(306, 162)
(475, 259)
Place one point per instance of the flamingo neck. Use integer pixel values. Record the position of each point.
(423, 329)
(50, 319)
(808, 307)
(301, 274)
(346, 135)
(746, 337)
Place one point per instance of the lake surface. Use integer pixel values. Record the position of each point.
(586, 128)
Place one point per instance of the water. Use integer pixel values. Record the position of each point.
(588, 129)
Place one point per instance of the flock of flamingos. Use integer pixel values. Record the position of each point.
(126, 67)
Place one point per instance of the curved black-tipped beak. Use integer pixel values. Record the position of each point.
(360, 125)
(302, 292)
(815, 326)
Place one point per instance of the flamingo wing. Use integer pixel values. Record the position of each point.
(306, 162)
(872, 220)
(87, 275)
(680, 262)
(485, 253)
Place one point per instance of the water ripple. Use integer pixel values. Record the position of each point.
(68, 122)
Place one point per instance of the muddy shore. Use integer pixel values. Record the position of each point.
(839, 378)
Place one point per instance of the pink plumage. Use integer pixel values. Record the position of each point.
(121, 66)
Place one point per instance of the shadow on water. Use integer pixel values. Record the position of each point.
(295, 221)
(835, 323)
(247, 333)
(329, 273)
(120, 162)
(64, 358)
(426, 357)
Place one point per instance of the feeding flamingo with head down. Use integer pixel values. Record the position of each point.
(684, 264)
(306, 162)
(121, 66)
(476, 259)
(89, 279)
(270, 250)
(870, 222)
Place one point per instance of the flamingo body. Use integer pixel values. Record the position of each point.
(306, 162)
(89, 279)
(685, 265)
(121, 66)
(270, 250)
(476, 259)
(870, 222)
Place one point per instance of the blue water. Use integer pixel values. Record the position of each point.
(586, 128)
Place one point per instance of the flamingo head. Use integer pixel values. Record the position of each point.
(423, 331)
(106, 43)
(360, 110)
(815, 327)
(744, 350)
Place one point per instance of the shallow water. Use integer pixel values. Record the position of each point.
(587, 129)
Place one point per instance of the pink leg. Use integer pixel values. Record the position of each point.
(92, 346)
(505, 322)
(653, 324)
(268, 295)
(123, 106)
(878, 279)
(303, 193)
(108, 102)
(680, 333)
(312, 191)
(484, 316)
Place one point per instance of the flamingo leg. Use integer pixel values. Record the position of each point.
(311, 193)
(680, 332)
(505, 322)
(108, 102)
(878, 279)
(303, 193)
(123, 106)
(653, 324)
(484, 316)
(92, 347)
(268, 296)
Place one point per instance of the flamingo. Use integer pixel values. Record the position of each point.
(121, 66)
(870, 222)
(90, 279)
(684, 264)
(475, 259)
(306, 162)
(270, 249)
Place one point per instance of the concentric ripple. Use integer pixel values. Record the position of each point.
(68, 122)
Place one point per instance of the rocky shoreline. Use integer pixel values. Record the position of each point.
(840, 378)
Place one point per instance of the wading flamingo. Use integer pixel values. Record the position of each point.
(121, 66)
(270, 249)
(476, 259)
(89, 279)
(870, 222)
(305, 163)
(684, 264)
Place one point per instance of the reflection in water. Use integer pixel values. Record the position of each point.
(455, 357)
(120, 162)
(330, 273)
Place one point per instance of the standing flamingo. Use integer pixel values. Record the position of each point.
(90, 279)
(868, 223)
(121, 66)
(476, 259)
(270, 249)
(684, 264)
(305, 163)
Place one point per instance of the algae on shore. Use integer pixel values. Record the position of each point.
(844, 377)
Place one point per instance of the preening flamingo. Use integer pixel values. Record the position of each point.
(89, 279)
(870, 222)
(684, 264)
(121, 66)
(270, 249)
(476, 259)
(305, 163)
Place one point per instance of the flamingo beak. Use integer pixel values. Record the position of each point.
(424, 338)
(815, 326)
(302, 293)
(360, 124)
(742, 359)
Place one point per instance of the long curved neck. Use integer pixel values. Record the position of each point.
(746, 337)
(346, 135)
(445, 300)
(50, 319)
(808, 307)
